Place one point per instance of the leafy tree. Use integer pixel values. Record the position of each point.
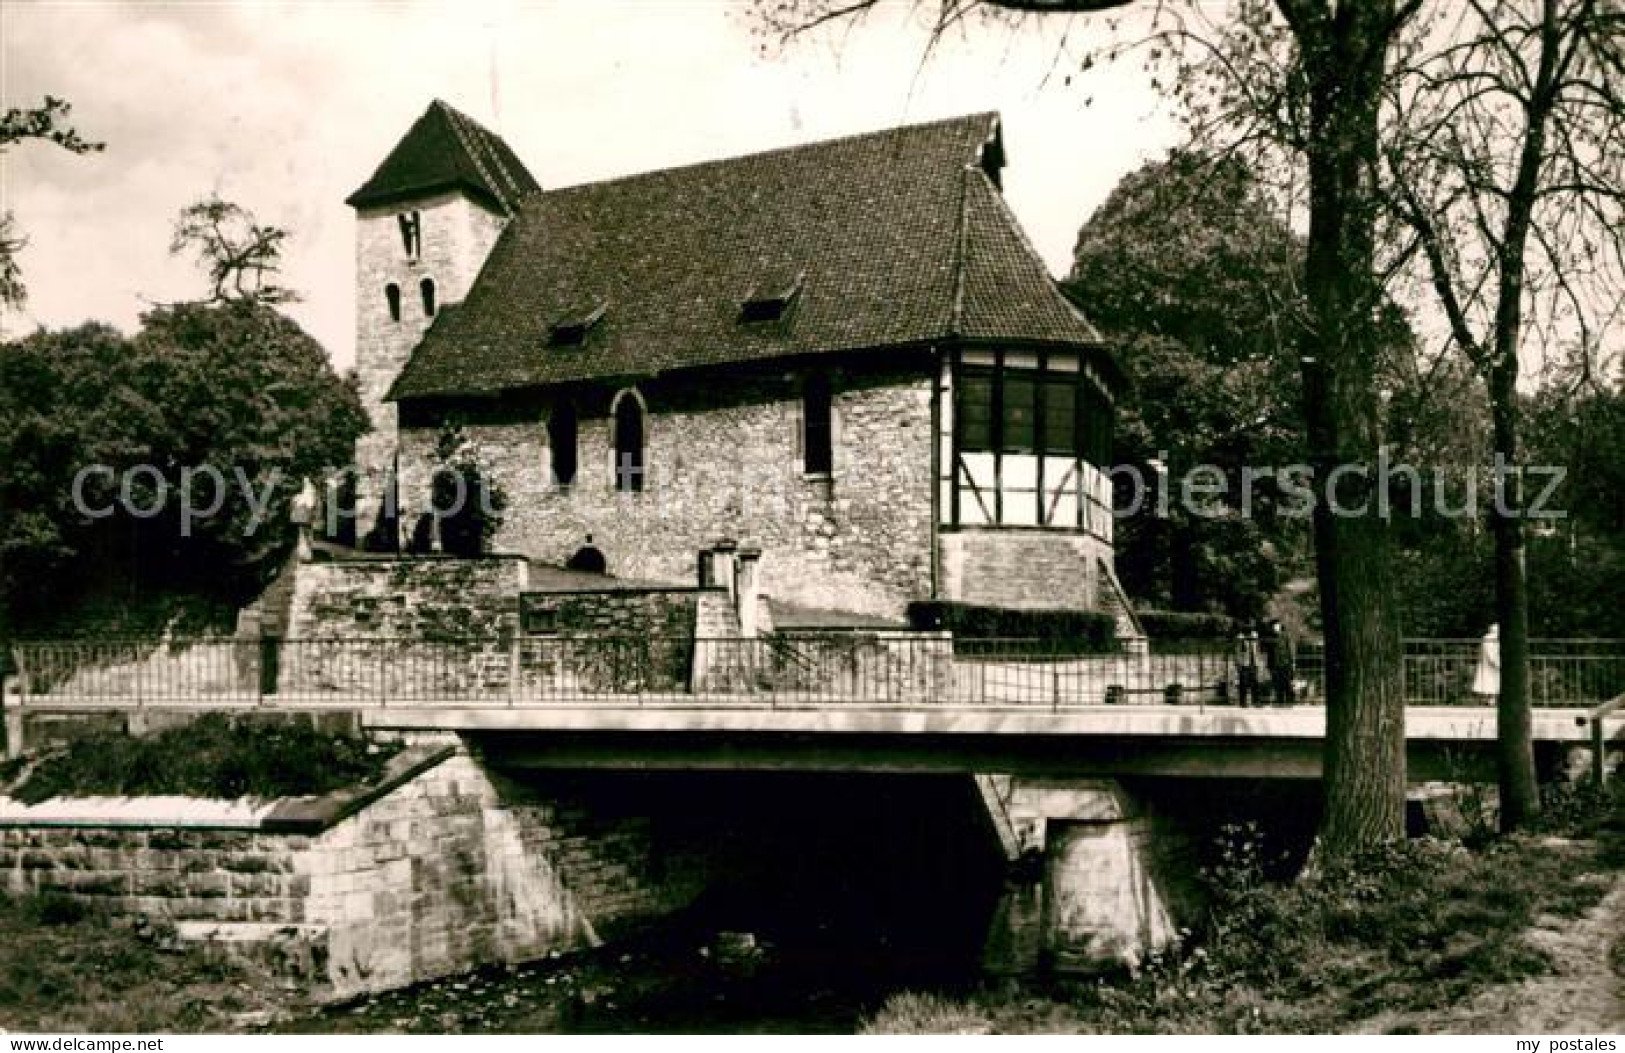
(1188, 268)
(13, 293)
(236, 387)
(1577, 563)
(47, 122)
(1192, 248)
(62, 405)
(243, 387)
(238, 253)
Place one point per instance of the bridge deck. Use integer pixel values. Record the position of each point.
(729, 713)
(1429, 723)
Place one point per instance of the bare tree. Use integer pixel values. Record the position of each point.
(1324, 115)
(238, 253)
(48, 121)
(1505, 155)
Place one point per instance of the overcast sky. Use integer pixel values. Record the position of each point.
(286, 107)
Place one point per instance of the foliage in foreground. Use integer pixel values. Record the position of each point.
(212, 757)
(1409, 929)
(69, 968)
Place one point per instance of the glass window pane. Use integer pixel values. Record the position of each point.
(975, 405)
(1060, 418)
(1018, 412)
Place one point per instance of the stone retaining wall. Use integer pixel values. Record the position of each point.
(415, 598)
(448, 871)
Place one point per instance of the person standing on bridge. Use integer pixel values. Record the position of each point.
(1487, 677)
(1246, 658)
(1280, 661)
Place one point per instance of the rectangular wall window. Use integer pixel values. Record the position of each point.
(817, 426)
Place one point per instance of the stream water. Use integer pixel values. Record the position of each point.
(690, 975)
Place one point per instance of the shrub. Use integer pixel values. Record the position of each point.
(470, 503)
(915, 1013)
(1176, 626)
(215, 756)
(1046, 631)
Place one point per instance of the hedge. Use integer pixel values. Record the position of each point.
(1069, 632)
(1182, 632)
(1186, 625)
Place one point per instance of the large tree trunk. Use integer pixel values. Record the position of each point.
(1344, 54)
(1515, 750)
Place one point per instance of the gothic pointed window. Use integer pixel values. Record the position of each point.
(392, 297)
(629, 460)
(426, 287)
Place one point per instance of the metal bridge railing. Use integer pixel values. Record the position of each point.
(834, 668)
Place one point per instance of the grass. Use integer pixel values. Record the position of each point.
(215, 756)
(1408, 930)
(71, 969)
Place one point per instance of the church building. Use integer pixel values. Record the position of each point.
(845, 355)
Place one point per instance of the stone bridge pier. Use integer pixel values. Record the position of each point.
(1095, 880)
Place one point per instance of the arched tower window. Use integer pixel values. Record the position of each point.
(411, 233)
(627, 412)
(561, 442)
(426, 287)
(392, 296)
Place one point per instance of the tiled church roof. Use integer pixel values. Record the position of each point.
(447, 150)
(894, 239)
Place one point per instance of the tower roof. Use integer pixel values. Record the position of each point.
(448, 150)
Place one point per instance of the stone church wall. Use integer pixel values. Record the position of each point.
(725, 461)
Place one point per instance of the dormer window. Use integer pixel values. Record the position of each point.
(572, 329)
(411, 224)
(992, 159)
(770, 300)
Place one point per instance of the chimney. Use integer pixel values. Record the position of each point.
(723, 563)
(747, 591)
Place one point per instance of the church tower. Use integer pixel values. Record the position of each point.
(425, 222)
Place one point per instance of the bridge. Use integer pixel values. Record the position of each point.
(1071, 757)
(871, 701)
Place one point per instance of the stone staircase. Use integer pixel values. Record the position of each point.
(271, 611)
(1112, 600)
